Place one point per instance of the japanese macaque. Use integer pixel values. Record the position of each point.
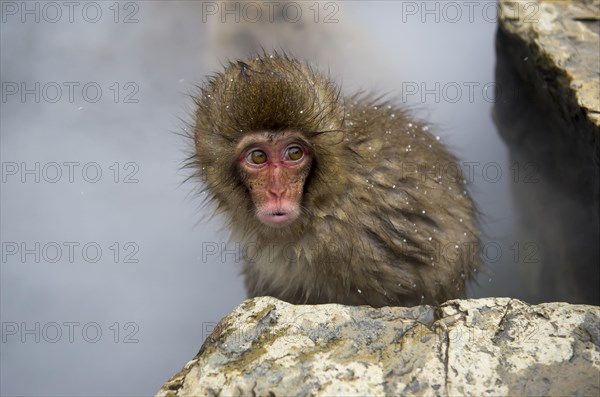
(333, 199)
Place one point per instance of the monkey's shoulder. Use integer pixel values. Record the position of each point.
(392, 137)
(405, 168)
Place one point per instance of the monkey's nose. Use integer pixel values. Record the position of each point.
(277, 183)
(277, 192)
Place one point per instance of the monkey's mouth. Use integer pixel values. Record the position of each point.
(277, 218)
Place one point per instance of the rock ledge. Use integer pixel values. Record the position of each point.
(564, 40)
(493, 346)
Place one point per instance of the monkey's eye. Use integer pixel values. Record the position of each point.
(257, 157)
(295, 153)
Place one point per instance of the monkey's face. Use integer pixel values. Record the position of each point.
(274, 167)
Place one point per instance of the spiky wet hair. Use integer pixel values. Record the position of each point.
(274, 93)
(371, 222)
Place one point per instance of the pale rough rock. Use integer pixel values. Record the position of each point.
(564, 36)
(485, 347)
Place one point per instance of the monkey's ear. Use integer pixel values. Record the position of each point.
(244, 69)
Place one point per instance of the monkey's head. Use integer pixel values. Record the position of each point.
(266, 133)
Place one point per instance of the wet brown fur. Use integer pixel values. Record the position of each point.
(372, 230)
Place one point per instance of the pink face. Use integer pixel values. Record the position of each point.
(274, 169)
